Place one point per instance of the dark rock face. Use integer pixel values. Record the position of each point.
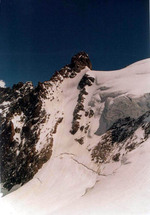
(80, 60)
(80, 140)
(121, 135)
(86, 81)
(116, 157)
(19, 158)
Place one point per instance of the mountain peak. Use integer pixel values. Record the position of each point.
(80, 60)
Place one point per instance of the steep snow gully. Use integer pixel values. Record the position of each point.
(78, 143)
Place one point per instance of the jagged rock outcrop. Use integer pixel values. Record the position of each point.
(21, 117)
(124, 135)
(79, 109)
(78, 62)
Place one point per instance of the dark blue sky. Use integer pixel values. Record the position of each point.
(38, 37)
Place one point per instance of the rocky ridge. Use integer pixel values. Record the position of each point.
(22, 114)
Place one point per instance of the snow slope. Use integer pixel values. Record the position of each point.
(126, 191)
(133, 79)
(71, 182)
(63, 187)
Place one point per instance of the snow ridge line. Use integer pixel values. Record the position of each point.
(84, 165)
(96, 172)
(99, 174)
(71, 154)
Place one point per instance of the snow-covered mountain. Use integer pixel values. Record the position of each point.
(80, 140)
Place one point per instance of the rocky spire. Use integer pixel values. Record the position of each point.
(78, 62)
(81, 60)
